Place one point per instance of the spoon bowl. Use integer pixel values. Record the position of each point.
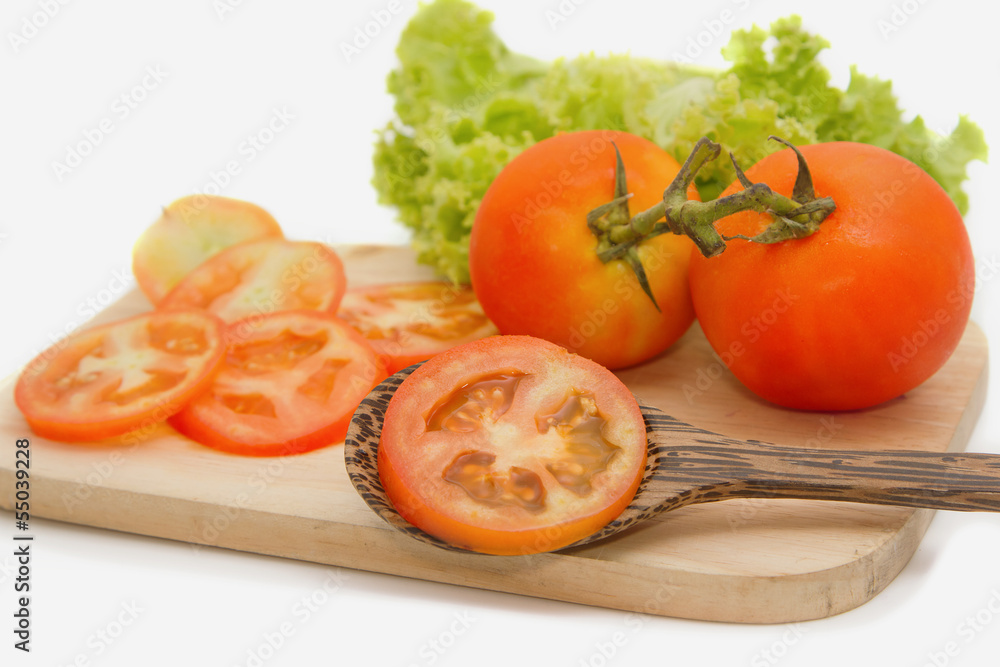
(687, 465)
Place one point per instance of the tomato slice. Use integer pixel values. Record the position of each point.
(511, 445)
(260, 277)
(189, 231)
(411, 322)
(112, 379)
(290, 384)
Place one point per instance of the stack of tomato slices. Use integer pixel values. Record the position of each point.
(244, 350)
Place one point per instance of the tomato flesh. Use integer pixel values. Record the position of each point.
(189, 231)
(511, 445)
(411, 322)
(289, 384)
(260, 277)
(114, 378)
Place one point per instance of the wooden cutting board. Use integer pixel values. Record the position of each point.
(754, 561)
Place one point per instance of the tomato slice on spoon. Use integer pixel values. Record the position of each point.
(260, 277)
(511, 445)
(111, 379)
(411, 322)
(289, 384)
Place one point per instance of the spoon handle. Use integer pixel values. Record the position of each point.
(717, 468)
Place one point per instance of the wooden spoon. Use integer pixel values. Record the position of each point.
(688, 465)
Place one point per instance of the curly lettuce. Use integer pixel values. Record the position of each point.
(465, 105)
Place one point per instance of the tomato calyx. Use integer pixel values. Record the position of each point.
(619, 234)
(790, 221)
(607, 219)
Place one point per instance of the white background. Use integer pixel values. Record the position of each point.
(64, 242)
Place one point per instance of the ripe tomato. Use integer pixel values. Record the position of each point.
(290, 384)
(189, 231)
(411, 322)
(112, 379)
(511, 445)
(532, 255)
(862, 311)
(259, 277)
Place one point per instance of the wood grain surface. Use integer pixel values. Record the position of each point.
(755, 560)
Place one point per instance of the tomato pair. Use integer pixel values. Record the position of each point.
(857, 313)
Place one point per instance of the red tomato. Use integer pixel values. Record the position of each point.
(112, 379)
(511, 445)
(290, 384)
(259, 277)
(411, 322)
(862, 311)
(191, 230)
(532, 256)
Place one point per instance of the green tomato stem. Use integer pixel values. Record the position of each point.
(619, 235)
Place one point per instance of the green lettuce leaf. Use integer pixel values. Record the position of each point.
(466, 105)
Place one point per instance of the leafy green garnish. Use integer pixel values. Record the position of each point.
(466, 105)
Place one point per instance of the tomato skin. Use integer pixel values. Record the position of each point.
(532, 257)
(413, 472)
(188, 232)
(76, 415)
(261, 363)
(859, 313)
